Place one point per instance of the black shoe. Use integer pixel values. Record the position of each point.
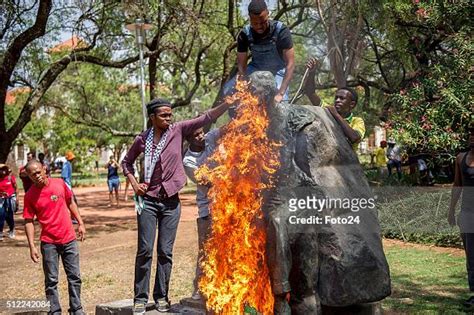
(163, 305)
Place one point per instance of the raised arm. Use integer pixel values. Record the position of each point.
(188, 126)
(310, 84)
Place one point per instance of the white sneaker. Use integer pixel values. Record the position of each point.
(139, 309)
(11, 234)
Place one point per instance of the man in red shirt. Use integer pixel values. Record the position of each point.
(50, 201)
(8, 201)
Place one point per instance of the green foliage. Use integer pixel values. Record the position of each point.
(432, 109)
(420, 73)
(35, 132)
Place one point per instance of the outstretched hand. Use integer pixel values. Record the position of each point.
(313, 64)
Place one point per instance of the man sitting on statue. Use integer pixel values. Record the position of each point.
(344, 103)
(271, 46)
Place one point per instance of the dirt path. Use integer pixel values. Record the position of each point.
(458, 252)
(107, 255)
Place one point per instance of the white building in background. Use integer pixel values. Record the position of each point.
(372, 140)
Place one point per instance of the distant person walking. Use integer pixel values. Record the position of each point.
(394, 155)
(464, 184)
(113, 180)
(46, 165)
(380, 157)
(50, 201)
(26, 181)
(8, 200)
(66, 171)
(66, 175)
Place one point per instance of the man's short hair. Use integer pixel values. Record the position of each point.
(31, 163)
(354, 95)
(257, 6)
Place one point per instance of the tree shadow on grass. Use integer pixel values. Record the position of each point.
(444, 295)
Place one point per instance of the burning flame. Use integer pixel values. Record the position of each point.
(236, 275)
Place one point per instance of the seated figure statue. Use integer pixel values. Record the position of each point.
(338, 260)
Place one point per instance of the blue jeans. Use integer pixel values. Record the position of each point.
(165, 215)
(113, 184)
(69, 254)
(6, 213)
(397, 164)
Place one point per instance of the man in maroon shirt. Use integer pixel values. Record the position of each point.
(50, 201)
(158, 198)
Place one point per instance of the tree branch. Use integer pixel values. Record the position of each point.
(378, 58)
(359, 82)
(197, 82)
(286, 9)
(13, 53)
(230, 18)
(92, 123)
(50, 75)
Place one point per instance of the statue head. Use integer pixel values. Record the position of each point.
(263, 85)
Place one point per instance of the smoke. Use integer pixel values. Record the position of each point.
(271, 4)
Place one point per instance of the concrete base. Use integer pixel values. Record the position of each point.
(193, 307)
(189, 306)
(27, 312)
(125, 307)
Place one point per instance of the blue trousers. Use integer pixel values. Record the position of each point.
(6, 213)
(69, 254)
(165, 215)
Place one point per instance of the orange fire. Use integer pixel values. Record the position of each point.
(236, 275)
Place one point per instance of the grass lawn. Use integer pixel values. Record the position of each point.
(426, 281)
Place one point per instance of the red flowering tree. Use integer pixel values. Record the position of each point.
(434, 106)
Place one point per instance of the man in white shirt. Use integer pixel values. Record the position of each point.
(394, 158)
(200, 148)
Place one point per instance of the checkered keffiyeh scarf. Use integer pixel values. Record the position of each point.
(152, 154)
